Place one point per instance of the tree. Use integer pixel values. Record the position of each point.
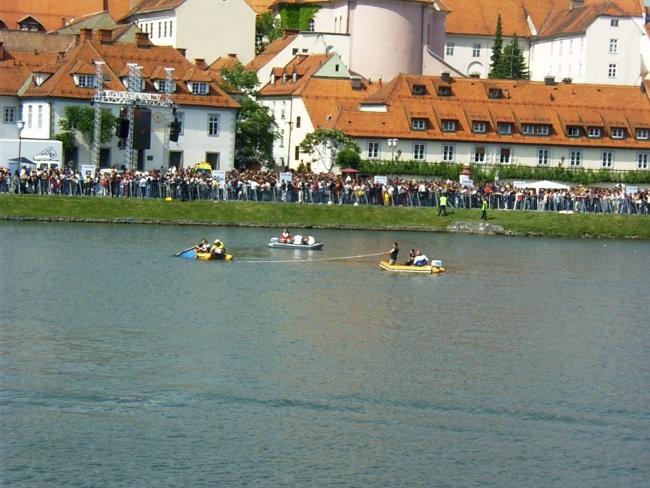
(78, 127)
(496, 67)
(324, 144)
(267, 30)
(255, 130)
(513, 61)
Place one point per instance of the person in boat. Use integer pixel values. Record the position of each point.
(411, 257)
(297, 239)
(203, 246)
(394, 251)
(309, 241)
(218, 249)
(420, 259)
(285, 236)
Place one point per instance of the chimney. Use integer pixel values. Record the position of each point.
(182, 51)
(576, 4)
(356, 82)
(200, 63)
(446, 76)
(232, 55)
(105, 36)
(85, 35)
(63, 22)
(142, 40)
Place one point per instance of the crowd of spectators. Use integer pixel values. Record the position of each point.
(320, 188)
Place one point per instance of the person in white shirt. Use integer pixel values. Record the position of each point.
(420, 259)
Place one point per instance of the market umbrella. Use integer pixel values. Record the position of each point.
(349, 170)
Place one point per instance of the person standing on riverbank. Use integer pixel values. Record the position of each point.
(443, 205)
(484, 207)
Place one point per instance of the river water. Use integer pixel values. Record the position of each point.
(526, 364)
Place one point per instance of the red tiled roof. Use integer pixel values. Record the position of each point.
(152, 59)
(523, 102)
(272, 50)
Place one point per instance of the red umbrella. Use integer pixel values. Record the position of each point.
(349, 170)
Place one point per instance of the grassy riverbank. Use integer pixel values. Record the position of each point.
(298, 215)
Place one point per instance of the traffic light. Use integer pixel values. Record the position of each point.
(174, 130)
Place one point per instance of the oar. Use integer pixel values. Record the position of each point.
(183, 252)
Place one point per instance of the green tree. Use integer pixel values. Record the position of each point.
(267, 30)
(496, 65)
(255, 130)
(513, 62)
(78, 126)
(325, 144)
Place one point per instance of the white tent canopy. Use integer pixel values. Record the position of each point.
(546, 185)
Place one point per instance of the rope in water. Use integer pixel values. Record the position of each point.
(313, 260)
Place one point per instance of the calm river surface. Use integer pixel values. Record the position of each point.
(525, 365)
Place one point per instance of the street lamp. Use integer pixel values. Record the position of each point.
(21, 125)
(392, 143)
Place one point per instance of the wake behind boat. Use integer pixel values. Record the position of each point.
(434, 268)
(275, 243)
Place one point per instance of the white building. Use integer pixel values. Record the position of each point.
(205, 29)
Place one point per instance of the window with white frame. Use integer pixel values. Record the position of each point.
(165, 86)
(39, 117)
(311, 26)
(543, 156)
(419, 152)
(476, 51)
(449, 126)
(642, 159)
(30, 117)
(595, 132)
(9, 115)
(373, 150)
(165, 29)
(613, 22)
(159, 28)
(85, 81)
(613, 46)
(419, 124)
(199, 87)
(618, 133)
(419, 90)
(478, 156)
(449, 49)
(448, 152)
(505, 155)
(528, 129)
(607, 159)
(479, 127)
(213, 124)
(542, 129)
(180, 118)
(573, 131)
(505, 128)
(171, 23)
(642, 134)
(575, 157)
(611, 70)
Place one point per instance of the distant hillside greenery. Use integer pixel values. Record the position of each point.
(486, 174)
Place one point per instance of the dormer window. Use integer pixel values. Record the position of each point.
(198, 87)
(444, 91)
(573, 131)
(505, 128)
(495, 93)
(165, 86)
(618, 133)
(419, 124)
(85, 81)
(449, 126)
(40, 78)
(595, 132)
(479, 127)
(419, 90)
(642, 134)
